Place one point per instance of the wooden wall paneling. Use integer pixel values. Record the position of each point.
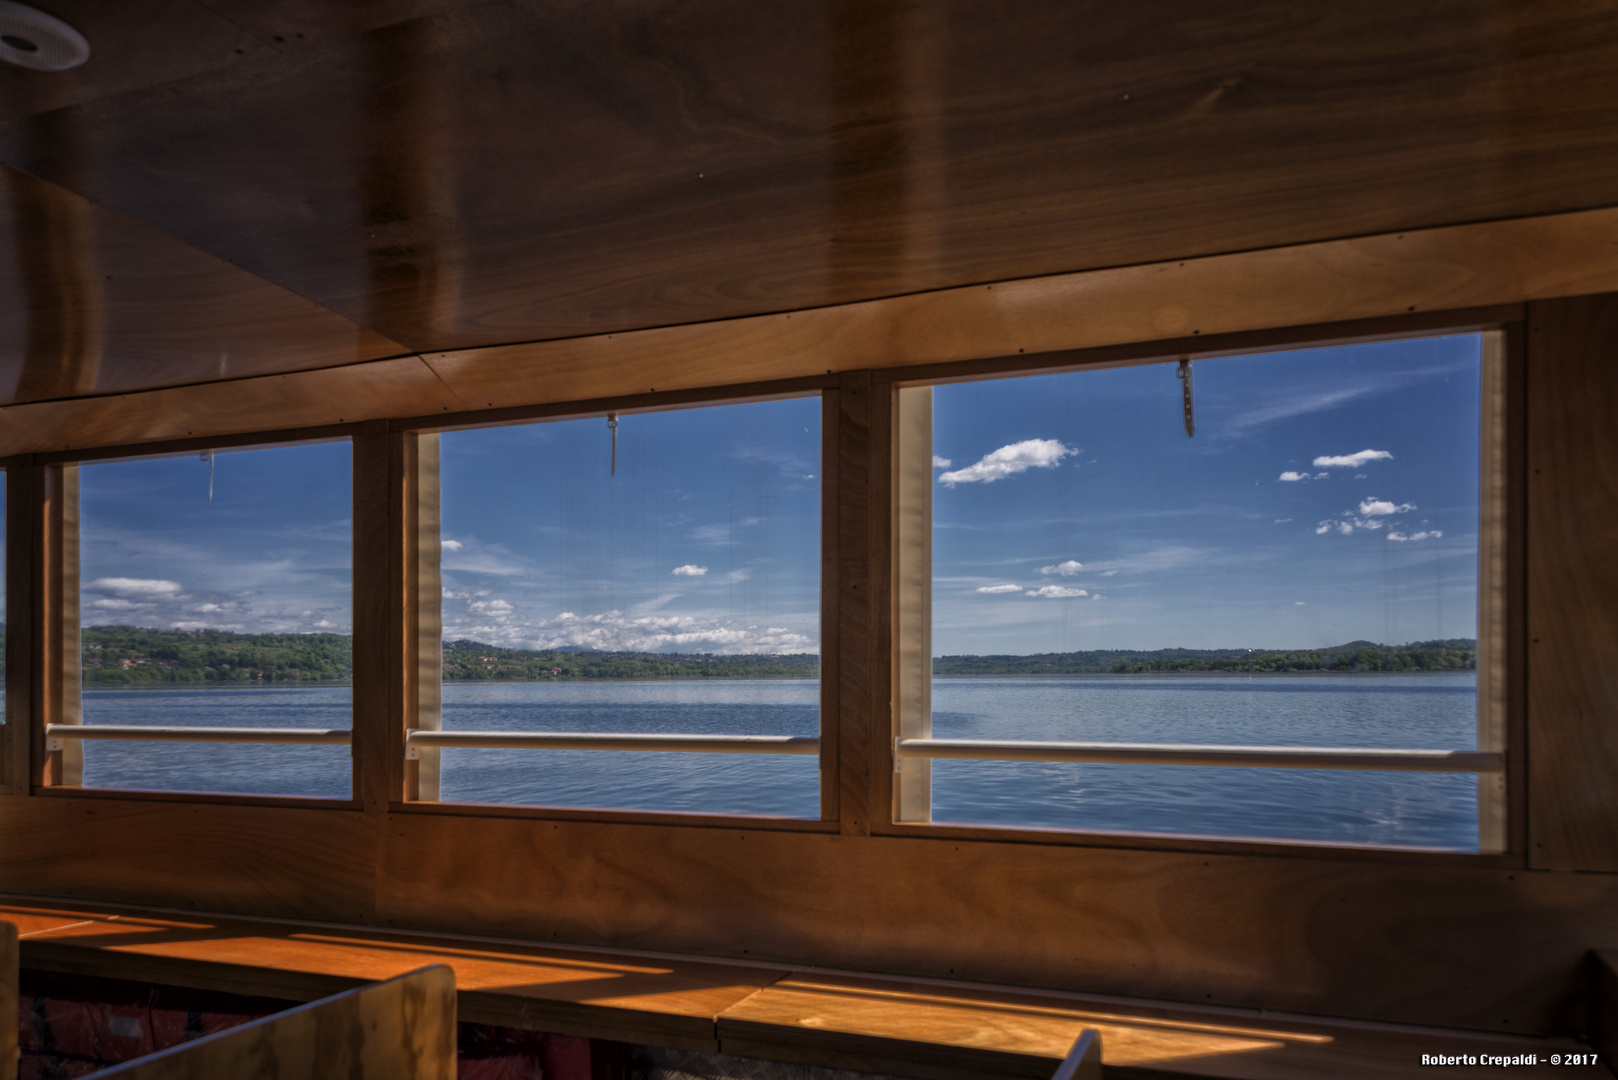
(419, 682)
(806, 152)
(1338, 281)
(1603, 1024)
(114, 305)
(358, 392)
(9, 972)
(1572, 580)
(831, 605)
(912, 599)
(23, 499)
(1516, 586)
(1445, 943)
(375, 593)
(857, 724)
(401, 1029)
(1493, 665)
(56, 681)
(204, 854)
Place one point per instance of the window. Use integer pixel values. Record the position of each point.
(213, 602)
(613, 588)
(1303, 572)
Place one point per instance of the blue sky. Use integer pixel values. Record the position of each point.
(1328, 495)
(707, 539)
(272, 552)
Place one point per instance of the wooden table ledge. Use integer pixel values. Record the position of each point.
(930, 1029)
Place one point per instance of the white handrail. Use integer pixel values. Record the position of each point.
(591, 740)
(142, 733)
(1270, 757)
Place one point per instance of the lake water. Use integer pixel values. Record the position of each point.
(1389, 711)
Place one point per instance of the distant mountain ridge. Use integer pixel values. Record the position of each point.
(137, 656)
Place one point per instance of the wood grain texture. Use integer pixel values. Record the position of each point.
(855, 607)
(641, 999)
(272, 860)
(9, 969)
(744, 159)
(1442, 942)
(24, 490)
(400, 1029)
(1572, 583)
(105, 305)
(375, 744)
(936, 1029)
(306, 399)
(957, 1033)
(1441, 269)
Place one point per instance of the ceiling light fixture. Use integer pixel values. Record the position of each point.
(32, 39)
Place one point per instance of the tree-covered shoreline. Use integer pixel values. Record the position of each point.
(136, 656)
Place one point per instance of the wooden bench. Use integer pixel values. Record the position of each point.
(933, 1030)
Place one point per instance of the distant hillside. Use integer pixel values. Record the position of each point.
(1452, 654)
(133, 656)
(471, 660)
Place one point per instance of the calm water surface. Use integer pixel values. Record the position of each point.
(1392, 711)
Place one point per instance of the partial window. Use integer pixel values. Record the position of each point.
(214, 622)
(629, 611)
(1230, 597)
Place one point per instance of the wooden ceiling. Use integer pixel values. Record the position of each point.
(239, 187)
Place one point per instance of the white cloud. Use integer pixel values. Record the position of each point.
(1351, 461)
(1011, 460)
(1382, 507)
(1282, 521)
(1108, 573)
(1055, 592)
(146, 588)
(1000, 588)
(1066, 569)
(495, 608)
(1299, 603)
(115, 605)
(616, 631)
(1322, 476)
(940, 462)
(1290, 477)
(1427, 534)
(451, 545)
(689, 570)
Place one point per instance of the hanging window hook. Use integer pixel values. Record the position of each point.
(1185, 396)
(207, 455)
(612, 424)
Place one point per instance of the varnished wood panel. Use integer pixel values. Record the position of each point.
(99, 304)
(706, 159)
(1444, 943)
(23, 491)
(8, 997)
(956, 1033)
(1336, 282)
(1572, 507)
(401, 1029)
(335, 396)
(275, 861)
(663, 1001)
(375, 575)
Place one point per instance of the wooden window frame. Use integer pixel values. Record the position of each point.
(859, 564)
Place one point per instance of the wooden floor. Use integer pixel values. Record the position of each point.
(918, 1028)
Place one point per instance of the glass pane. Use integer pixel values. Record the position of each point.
(1301, 572)
(675, 590)
(215, 592)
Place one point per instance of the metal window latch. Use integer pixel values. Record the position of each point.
(898, 763)
(53, 744)
(412, 751)
(1185, 396)
(612, 424)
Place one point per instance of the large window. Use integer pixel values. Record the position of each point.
(1145, 582)
(213, 607)
(629, 611)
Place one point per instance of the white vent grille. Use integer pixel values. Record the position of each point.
(32, 39)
